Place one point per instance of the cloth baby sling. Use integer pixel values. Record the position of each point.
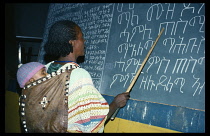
(44, 104)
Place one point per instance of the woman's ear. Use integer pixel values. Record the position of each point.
(71, 42)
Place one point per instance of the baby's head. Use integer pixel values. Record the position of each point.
(30, 72)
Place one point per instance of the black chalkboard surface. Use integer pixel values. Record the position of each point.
(118, 37)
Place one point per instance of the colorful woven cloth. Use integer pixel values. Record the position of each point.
(87, 109)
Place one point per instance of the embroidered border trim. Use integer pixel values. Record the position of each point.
(49, 76)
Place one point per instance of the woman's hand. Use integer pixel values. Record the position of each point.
(119, 101)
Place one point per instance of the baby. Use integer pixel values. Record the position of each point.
(30, 72)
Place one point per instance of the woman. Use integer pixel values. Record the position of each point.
(87, 109)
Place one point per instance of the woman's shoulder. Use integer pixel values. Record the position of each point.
(80, 72)
(80, 76)
(77, 72)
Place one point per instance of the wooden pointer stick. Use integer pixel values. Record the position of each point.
(139, 71)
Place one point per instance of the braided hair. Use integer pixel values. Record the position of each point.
(58, 39)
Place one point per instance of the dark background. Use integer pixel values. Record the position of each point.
(21, 19)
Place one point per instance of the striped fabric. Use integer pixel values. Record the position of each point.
(87, 109)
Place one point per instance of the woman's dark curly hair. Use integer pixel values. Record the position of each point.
(58, 39)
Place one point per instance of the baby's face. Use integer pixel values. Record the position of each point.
(41, 73)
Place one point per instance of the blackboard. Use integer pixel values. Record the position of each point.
(118, 37)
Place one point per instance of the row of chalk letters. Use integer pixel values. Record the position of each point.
(164, 10)
(192, 47)
(164, 83)
(178, 65)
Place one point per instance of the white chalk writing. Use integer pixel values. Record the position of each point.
(168, 71)
(119, 35)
